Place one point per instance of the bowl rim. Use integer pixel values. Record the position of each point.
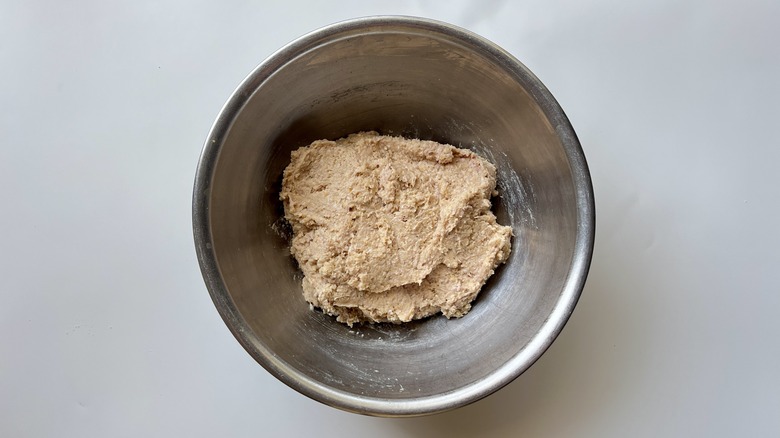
(507, 372)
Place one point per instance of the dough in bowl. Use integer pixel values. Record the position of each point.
(388, 229)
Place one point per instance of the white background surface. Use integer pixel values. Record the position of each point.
(106, 328)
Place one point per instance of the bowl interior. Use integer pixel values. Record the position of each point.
(400, 79)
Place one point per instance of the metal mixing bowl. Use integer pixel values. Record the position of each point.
(416, 78)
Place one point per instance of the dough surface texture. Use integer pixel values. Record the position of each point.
(387, 229)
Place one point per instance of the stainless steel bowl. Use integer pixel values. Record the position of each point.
(417, 78)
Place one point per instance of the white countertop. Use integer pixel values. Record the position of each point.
(106, 327)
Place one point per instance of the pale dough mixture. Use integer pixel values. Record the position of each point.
(387, 229)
